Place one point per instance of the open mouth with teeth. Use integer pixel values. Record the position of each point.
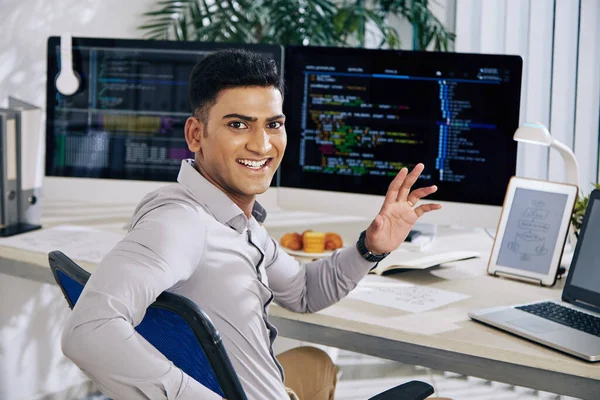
(254, 164)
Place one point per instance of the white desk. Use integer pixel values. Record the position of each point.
(443, 338)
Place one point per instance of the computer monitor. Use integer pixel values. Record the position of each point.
(355, 117)
(127, 119)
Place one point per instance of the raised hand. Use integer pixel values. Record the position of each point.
(398, 213)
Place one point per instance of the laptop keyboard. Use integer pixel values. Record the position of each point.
(565, 316)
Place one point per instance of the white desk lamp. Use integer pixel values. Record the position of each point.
(536, 133)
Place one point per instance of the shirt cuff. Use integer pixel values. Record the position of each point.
(355, 267)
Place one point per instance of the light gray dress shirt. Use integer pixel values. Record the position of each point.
(189, 238)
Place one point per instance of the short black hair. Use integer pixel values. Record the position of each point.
(226, 69)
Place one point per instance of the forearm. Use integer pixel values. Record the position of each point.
(331, 279)
(318, 284)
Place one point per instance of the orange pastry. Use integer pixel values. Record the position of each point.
(333, 241)
(314, 242)
(292, 241)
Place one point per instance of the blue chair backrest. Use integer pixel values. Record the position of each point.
(174, 325)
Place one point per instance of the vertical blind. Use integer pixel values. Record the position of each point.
(559, 41)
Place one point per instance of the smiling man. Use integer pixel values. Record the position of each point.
(240, 139)
(202, 238)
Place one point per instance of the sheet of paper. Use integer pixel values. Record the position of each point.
(77, 242)
(371, 281)
(403, 296)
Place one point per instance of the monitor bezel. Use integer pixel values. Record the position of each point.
(514, 62)
(52, 71)
(576, 294)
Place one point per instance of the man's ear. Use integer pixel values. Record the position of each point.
(194, 129)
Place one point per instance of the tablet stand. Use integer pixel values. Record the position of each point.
(518, 277)
(559, 273)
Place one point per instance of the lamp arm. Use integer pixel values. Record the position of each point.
(572, 167)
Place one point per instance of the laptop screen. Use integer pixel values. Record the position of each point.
(585, 267)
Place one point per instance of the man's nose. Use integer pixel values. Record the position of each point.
(259, 142)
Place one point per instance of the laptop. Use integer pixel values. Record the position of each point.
(572, 324)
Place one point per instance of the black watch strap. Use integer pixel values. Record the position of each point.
(365, 253)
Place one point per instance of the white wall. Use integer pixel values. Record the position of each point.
(27, 24)
(31, 314)
(559, 43)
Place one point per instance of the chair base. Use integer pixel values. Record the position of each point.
(414, 390)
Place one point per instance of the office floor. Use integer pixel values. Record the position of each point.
(364, 376)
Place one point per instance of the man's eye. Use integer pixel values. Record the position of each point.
(238, 125)
(275, 125)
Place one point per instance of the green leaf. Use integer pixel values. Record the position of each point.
(318, 22)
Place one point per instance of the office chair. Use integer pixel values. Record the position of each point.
(184, 334)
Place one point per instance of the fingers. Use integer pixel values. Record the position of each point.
(425, 208)
(418, 194)
(409, 181)
(395, 185)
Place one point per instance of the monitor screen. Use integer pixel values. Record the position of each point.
(127, 119)
(355, 117)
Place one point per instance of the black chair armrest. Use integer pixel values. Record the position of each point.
(413, 390)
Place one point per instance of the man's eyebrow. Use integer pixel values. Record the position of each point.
(275, 118)
(252, 119)
(240, 116)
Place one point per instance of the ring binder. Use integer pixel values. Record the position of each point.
(20, 191)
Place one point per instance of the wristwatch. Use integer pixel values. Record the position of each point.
(365, 253)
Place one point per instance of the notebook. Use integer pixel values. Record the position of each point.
(399, 260)
(571, 324)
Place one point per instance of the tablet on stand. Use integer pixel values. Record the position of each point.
(532, 231)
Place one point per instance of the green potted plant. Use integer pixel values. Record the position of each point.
(579, 211)
(295, 22)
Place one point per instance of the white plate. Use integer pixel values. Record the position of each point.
(298, 253)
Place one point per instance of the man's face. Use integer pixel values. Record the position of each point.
(242, 144)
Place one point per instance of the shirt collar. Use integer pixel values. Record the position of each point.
(217, 202)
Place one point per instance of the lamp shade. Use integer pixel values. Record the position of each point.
(533, 132)
(537, 133)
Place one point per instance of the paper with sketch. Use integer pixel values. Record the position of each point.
(77, 242)
(404, 296)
